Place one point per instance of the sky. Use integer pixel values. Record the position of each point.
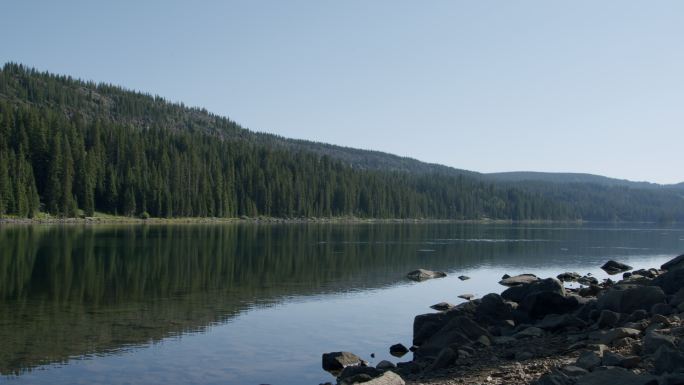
(561, 86)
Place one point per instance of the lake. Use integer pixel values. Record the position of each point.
(259, 304)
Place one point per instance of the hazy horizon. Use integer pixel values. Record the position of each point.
(488, 87)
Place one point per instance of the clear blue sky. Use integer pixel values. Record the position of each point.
(583, 86)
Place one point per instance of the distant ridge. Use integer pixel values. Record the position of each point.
(569, 177)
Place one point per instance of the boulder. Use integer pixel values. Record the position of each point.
(676, 263)
(615, 359)
(422, 275)
(442, 306)
(668, 360)
(519, 292)
(517, 280)
(588, 360)
(357, 374)
(386, 378)
(608, 336)
(398, 350)
(627, 300)
(568, 277)
(529, 332)
(560, 321)
(615, 376)
(678, 298)
(612, 267)
(587, 280)
(492, 309)
(671, 282)
(573, 371)
(662, 309)
(460, 330)
(336, 361)
(554, 378)
(608, 318)
(539, 304)
(444, 359)
(385, 365)
(654, 340)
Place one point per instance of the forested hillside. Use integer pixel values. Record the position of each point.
(67, 146)
(71, 148)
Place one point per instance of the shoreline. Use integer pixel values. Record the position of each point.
(538, 331)
(110, 219)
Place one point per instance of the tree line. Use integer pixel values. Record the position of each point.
(71, 148)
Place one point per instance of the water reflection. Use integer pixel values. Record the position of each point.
(70, 291)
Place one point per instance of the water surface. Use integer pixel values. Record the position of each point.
(258, 304)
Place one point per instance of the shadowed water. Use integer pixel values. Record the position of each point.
(251, 304)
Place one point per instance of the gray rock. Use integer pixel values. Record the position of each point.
(587, 281)
(677, 298)
(562, 321)
(660, 319)
(653, 341)
(385, 365)
(668, 360)
(519, 292)
(467, 297)
(672, 379)
(638, 315)
(674, 264)
(615, 359)
(615, 376)
(459, 330)
(568, 277)
(357, 374)
(517, 280)
(443, 306)
(463, 277)
(422, 275)
(608, 318)
(613, 267)
(573, 371)
(608, 336)
(529, 332)
(671, 282)
(588, 360)
(523, 355)
(662, 309)
(387, 378)
(554, 378)
(541, 303)
(444, 359)
(493, 309)
(630, 299)
(336, 361)
(398, 350)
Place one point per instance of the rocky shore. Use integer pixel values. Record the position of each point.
(538, 331)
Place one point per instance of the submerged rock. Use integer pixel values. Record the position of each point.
(442, 306)
(463, 277)
(337, 361)
(518, 280)
(613, 267)
(467, 297)
(422, 275)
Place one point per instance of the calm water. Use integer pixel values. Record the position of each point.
(258, 304)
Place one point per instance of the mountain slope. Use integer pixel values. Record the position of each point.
(68, 146)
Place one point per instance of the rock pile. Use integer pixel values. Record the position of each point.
(539, 332)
